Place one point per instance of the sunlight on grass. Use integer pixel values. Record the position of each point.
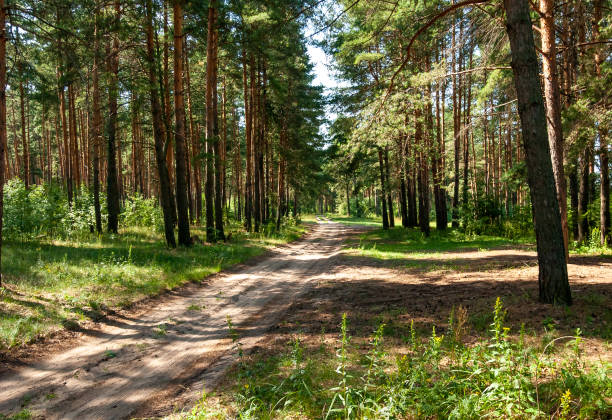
(398, 242)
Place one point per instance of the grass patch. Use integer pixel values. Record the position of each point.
(351, 220)
(52, 284)
(396, 243)
(430, 376)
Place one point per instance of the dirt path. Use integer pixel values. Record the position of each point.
(132, 364)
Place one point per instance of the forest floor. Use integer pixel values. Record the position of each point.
(157, 359)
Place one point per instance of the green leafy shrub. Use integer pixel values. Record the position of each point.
(140, 211)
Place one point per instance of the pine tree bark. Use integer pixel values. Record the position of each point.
(165, 188)
(112, 179)
(553, 109)
(180, 152)
(553, 280)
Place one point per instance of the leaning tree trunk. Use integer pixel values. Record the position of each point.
(2, 116)
(165, 187)
(180, 153)
(553, 281)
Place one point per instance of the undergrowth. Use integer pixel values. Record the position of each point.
(439, 376)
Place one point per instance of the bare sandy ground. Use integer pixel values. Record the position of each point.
(133, 364)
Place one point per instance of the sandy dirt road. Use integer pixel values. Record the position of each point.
(176, 348)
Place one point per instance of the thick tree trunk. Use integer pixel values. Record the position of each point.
(180, 151)
(553, 280)
(112, 179)
(553, 109)
(385, 220)
(165, 188)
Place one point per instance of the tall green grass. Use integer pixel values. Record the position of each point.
(435, 376)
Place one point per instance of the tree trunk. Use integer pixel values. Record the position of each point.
(210, 128)
(441, 213)
(553, 280)
(112, 187)
(604, 160)
(388, 189)
(385, 220)
(456, 132)
(24, 138)
(421, 164)
(255, 144)
(2, 117)
(165, 188)
(583, 196)
(282, 168)
(248, 122)
(97, 128)
(180, 152)
(553, 109)
(211, 82)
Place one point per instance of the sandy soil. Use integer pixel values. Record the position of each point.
(132, 363)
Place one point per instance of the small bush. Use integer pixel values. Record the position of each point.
(144, 212)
